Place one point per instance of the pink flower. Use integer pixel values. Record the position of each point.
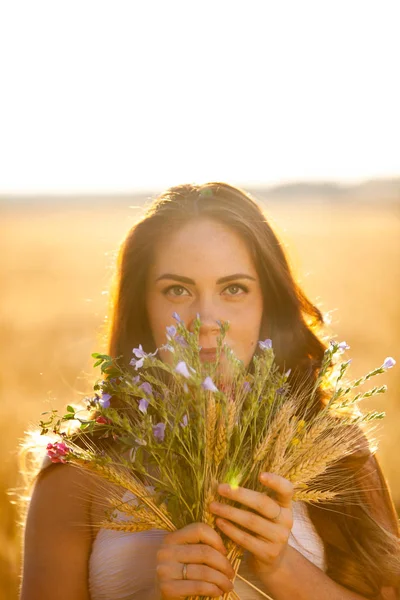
(102, 420)
(57, 452)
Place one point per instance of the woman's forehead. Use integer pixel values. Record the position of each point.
(203, 245)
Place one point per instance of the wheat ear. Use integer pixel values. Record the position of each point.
(312, 496)
(233, 408)
(130, 526)
(265, 445)
(316, 463)
(211, 421)
(129, 483)
(309, 437)
(281, 445)
(209, 517)
(221, 444)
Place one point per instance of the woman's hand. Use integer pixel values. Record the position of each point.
(208, 570)
(270, 524)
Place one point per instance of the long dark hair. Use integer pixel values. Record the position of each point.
(361, 540)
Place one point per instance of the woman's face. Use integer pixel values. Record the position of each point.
(205, 267)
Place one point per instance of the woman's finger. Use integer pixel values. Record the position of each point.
(257, 546)
(265, 528)
(199, 554)
(194, 572)
(283, 488)
(182, 589)
(260, 502)
(196, 533)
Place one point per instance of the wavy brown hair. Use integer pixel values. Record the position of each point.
(361, 538)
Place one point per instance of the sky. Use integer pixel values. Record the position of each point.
(122, 96)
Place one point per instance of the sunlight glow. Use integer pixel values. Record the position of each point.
(116, 97)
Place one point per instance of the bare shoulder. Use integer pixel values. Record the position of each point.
(62, 492)
(58, 535)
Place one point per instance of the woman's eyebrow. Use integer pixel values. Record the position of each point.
(225, 279)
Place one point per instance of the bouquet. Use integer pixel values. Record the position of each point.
(183, 426)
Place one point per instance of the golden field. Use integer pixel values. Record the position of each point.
(55, 271)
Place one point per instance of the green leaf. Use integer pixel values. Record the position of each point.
(70, 409)
(68, 417)
(106, 365)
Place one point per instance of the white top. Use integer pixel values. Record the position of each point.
(122, 565)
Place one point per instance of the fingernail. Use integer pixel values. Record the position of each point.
(264, 476)
(221, 523)
(224, 488)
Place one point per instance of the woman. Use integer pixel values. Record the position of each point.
(210, 250)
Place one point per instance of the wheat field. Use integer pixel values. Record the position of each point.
(56, 266)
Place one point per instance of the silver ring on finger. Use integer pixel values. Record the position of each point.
(278, 515)
(184, 571)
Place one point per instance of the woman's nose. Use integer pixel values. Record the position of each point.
(208, 324)
(208, 312)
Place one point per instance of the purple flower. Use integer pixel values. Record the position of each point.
(171, 331)
(146, 387)
(181, 340)
(208, 384)
(139, 352)
(136, 379)
(159, 431)
(246, 386)
(266, 344)
(137, 363)
(143, 405)
(389, 363)
(343, 346)
(280, 391)
(141, 355)
(105, 400)
(176, 317)
(184, 421)
(182, 369)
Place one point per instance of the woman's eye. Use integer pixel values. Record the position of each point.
(236, 288)
(175, 287)
(178, 290)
